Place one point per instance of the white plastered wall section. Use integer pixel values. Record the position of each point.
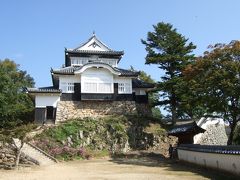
(41, 101)
(227, 162)
(97, 77)
(124, 80)
(70, 78)
(65, 79)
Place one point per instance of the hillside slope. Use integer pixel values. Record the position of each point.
(84, 138)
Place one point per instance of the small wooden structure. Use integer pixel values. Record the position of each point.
(185, 132)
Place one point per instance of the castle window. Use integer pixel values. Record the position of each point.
(124, 88)
(97, 87)
(67, 87)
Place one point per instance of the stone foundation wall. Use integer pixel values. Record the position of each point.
(215, 134)
(80, 109)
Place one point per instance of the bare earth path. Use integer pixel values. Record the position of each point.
(127, 168)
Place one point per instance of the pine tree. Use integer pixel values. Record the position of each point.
(172, 53)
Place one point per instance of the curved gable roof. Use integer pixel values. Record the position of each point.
(98, 65)
(71, 70)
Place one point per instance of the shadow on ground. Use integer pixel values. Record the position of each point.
(153, 159)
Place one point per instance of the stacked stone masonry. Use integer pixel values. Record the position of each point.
(215, 134)
(80, 109)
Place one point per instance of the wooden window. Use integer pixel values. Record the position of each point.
(124, 88)
(90, 87)
(104, 87)
(95, 87)
(67, 87)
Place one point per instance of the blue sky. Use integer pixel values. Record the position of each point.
(34, 33)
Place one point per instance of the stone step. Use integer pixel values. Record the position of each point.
(35, 153)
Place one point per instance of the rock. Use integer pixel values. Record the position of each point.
(214, 135)
(2, 155)
(81, 134)
(5, 159)
(69, 141)
(68, 110)
(10, 156)
(88, 140)
(126, 147)
(11, 159)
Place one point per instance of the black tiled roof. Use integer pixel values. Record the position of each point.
(186, 128)
(66, 70)
(71, 69)
(125, 72)
(94, 52)
(49, 89)
(108, 52)
(96, 39)
(234, 150)
(137, 83)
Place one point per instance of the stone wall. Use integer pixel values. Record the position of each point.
(8, 157)
(215, 134)
(80, 109)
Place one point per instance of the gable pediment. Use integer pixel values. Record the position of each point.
(93, 44)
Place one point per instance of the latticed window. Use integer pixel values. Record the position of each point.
(121, 88)
(90, 87)
(124, 88)
(79, 61)
(104, 87)
(94, 87)
(67, 87)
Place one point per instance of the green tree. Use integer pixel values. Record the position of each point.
(153, 96)
(171, 52)
(215, 79)
(15, 105)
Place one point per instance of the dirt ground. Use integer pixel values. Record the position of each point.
(141, 166)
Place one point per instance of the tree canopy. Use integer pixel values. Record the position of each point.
(172, 53)
(215, 79)
(153, 97)
(15, 105)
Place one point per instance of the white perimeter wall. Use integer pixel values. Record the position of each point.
(225, 162)
(46, 100)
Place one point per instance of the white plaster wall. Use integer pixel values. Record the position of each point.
(225, 162)
(97, 75)
(124, 80)
(79, 61)
(70, 78)
(46, 100)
